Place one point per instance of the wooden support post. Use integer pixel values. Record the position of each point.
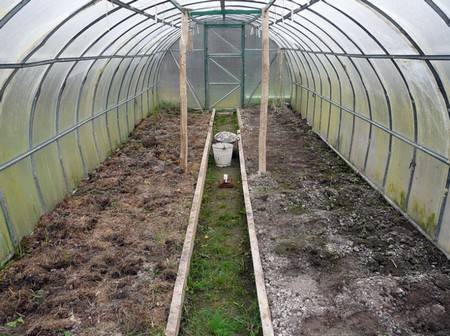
(183, 94)
(264, 94)
(280, 79)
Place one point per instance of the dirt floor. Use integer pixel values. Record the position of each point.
(338, 259)
(104, 261)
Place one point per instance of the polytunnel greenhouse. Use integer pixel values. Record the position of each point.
(190, 167)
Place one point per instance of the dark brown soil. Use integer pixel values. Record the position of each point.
(104, 261)
(338, 259)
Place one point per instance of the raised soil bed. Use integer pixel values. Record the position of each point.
(104, 261)
(337, 258)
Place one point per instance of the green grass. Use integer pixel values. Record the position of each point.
(168, 107)
(225, 123)
(221, 296)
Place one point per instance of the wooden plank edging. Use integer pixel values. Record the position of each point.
(176, 306)
(264, 310)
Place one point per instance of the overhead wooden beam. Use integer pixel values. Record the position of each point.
(222, 8)
(183, 94)
(177, 5)
(262, 151)
(269, 4)
(139, 11)
(295, 11)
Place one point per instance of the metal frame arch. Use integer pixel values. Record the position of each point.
(289, 12)
(387, 168)
(45, 38)
(319, 75)
(328, 75)
(299, 63)
(435, 74)
(151, 71)
(125, 73)
(446, 19)
(281, 40)
(105, 49)
(312, 75)
(367, 97)
(143, 12)
(157, 62)
(38, 91)
(439, 11)
(386, 100)
(8, 16)
(115, 82)
(286, 25)
(47, 71)
(344, 68)
(292, 58)
(444, 95)
(299, 32)
(294, 75)
(411, 99)
(186, 5)
(59, 100)
(117, 68)
(99, 79)
(329, 61)
(42, 42)
(386, 96)
(148, 64)
(67, 19)
(150, 26)
(87, 72)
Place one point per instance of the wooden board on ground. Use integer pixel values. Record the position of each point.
(176, 307)
(266, 320)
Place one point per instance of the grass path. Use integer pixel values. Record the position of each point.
(221, 295)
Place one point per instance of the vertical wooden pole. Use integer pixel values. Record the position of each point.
(264, 94)
(190, 38)
(280, 79)
(183, 94)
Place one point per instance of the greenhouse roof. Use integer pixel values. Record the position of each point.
(372, 29)
(384, 64)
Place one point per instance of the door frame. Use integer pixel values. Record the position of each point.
(208, 56)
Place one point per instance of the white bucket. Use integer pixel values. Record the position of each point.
(222, 154)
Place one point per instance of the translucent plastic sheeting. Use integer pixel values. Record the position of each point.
(75, 79)
(390, 100)
(224, 70)
(370, 76)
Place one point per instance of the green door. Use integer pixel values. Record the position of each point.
(224, 65)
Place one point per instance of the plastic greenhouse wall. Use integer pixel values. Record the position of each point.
(60, 119)
(387, 116)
